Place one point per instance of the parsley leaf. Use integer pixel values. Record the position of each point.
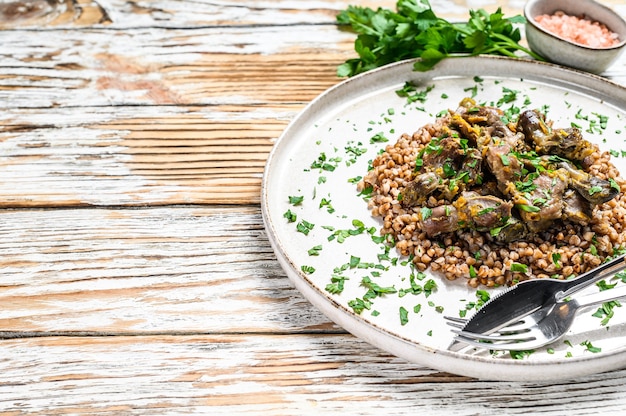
(413, 30)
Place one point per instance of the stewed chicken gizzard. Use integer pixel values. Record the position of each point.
(508, 180)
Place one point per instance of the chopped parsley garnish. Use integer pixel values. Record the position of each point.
(404, 316)
(508, 97)
(429, 287)
(412, 94)
(606, 312)
(341, 235)
(307, 269)
(590, 347)
(520, 355)
(482, 296)
(324, 163)
(426, 213)
(359, 305)
(304, 227)
(315, 251)
(378, 138)
(367, 191)
(353, 152)
(326, 203)
(485, 211)
(336, 285)
(291, 217)
(527, 208)
(376, 288)
(519, 267)
(594, 190)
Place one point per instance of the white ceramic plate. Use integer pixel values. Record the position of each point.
(337, 126)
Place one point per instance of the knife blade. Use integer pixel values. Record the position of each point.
(529, 296)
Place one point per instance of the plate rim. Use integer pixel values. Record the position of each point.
(437, 359)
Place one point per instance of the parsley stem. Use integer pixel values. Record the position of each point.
(517, 46)
(414, 30)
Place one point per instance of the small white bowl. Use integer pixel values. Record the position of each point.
(564, 52)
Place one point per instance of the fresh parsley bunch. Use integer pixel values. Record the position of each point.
(415, 31)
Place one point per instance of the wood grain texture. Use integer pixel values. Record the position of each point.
(276, 375)
(138, 155)
(155, 126)
(122, 14)
(154, 66)
(147, 125)
(135, 274)
(130, 271)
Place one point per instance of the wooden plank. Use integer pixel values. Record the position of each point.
(137, 156)
(153, 66)
(123, 118)
(269, 374)
(162, 270)
(137, 152)
(124, 14)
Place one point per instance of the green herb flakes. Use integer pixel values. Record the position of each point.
(518, 267)
(520, 355)
(590, 347)
(291, 217)
(337, 284)
(404, 316)
(378, 138)
(315, 251)
(307, 269)
(359, 305)
(304, 227)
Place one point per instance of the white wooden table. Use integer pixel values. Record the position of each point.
(135, 273)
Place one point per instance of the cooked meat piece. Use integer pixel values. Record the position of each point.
(446, 151)
(447, 169)
(506, 180)
(473, 165)
(470, 132)
(440, 220)
(539, 199)
(482, 212)
(417, 191)
(481, 124)
(489, 187)
(470, 210)
(513, 230)
(532, 124)
(504, 165)
(592, 188)
(576, 208)
(567, 143)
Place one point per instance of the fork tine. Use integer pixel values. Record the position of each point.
(506, 337)
(455, 319)
(507, 346)
(522, 325)
(454, 322)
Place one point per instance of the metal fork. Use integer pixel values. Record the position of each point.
(530, 296)
(540, 328)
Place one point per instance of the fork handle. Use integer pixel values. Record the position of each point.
(587, 279)
(601, 297)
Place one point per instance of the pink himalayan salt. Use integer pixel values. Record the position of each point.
(579, 30)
